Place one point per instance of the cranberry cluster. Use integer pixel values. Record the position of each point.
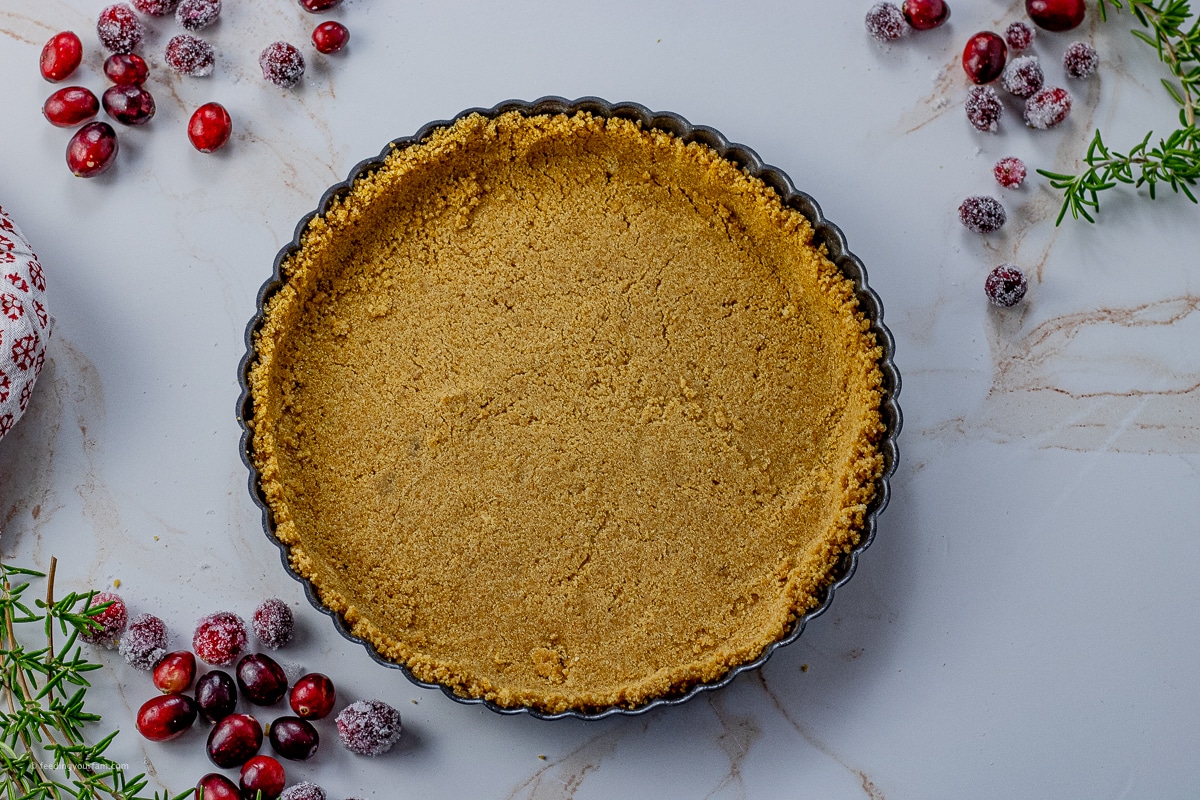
(221, 639)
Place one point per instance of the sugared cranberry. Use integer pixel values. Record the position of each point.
(926, 14)
(982, 214)
(1019, 36)
(261, 679)
(216, 695)
(368, 727)
(294, 738)
(273, 623)
(885, 22)
(1055, 15)
(1023, 76)
(219, 638)
(165, 717)
(175, 672)
(984, 56)
(195, 15)
(129, 104)
(319, 6)
(215, 786)
(92, 150)
(1080, 60)
(330, 37)
(1047, 108)
(119, 28)
(304, 790)
(61, 56)
(313, 696)
(111, 620)
(189, 55)
(209, 127)
(145, 642)
(262, 776)
(983, 108)
(1009, 172)
(281, 64)
(155, 8)
(1005, 286)
(126, 69)
(234, 740)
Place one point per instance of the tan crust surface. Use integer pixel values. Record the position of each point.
(565, 414)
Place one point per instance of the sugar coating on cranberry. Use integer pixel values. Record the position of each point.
(112, 620)
(1023, 76)
(145, 642)
(982, 214)
(1019, 36)
(273, 623)
(1005, 286)
(282, 64)
(984, 109)
(1080, 60)
(1047, 108)
(195, 15)
(190, 55)
(155, 8)
(219, 638)
(118, 28)
(305, 790)
(368, 727)
(1009, 172)
(885, 22)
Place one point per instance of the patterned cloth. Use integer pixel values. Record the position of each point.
(24, 322)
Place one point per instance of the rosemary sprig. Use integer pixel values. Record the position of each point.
(1175, 160)
(43, 752)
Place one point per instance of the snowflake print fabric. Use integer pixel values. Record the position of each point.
(24, 322)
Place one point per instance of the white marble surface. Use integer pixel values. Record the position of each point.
(1025, 623)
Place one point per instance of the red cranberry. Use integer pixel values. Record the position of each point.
(294, 738)
(304, 790)
(1055, 15)
(885, 22)
(195, 15)
(219, 638)
(175, 672)
(262, 774)
(216, 786)
(982, 214)
(145, 643)
(984, 56)
(68, 107)
(129, 104)
(926, 14)
(1019, 36)
(190, 55)
(318, 6)
(155, 8)
(1009, 172)
(313, 696)
(126, 69)
(216, 695)
(165, 717)
(368, 727)
(210, 127)
(1005, 286)
(111, 620)
(1080, 60)
(1047, 108)
(234, 740)
(61, 56)
(261, 679)
(119, 28)
(282, 64)
(329, 37)
(92, 150)
(273, 621)
(1023, 76)
(983, 108)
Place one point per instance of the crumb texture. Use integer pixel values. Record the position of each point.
(565, 414)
